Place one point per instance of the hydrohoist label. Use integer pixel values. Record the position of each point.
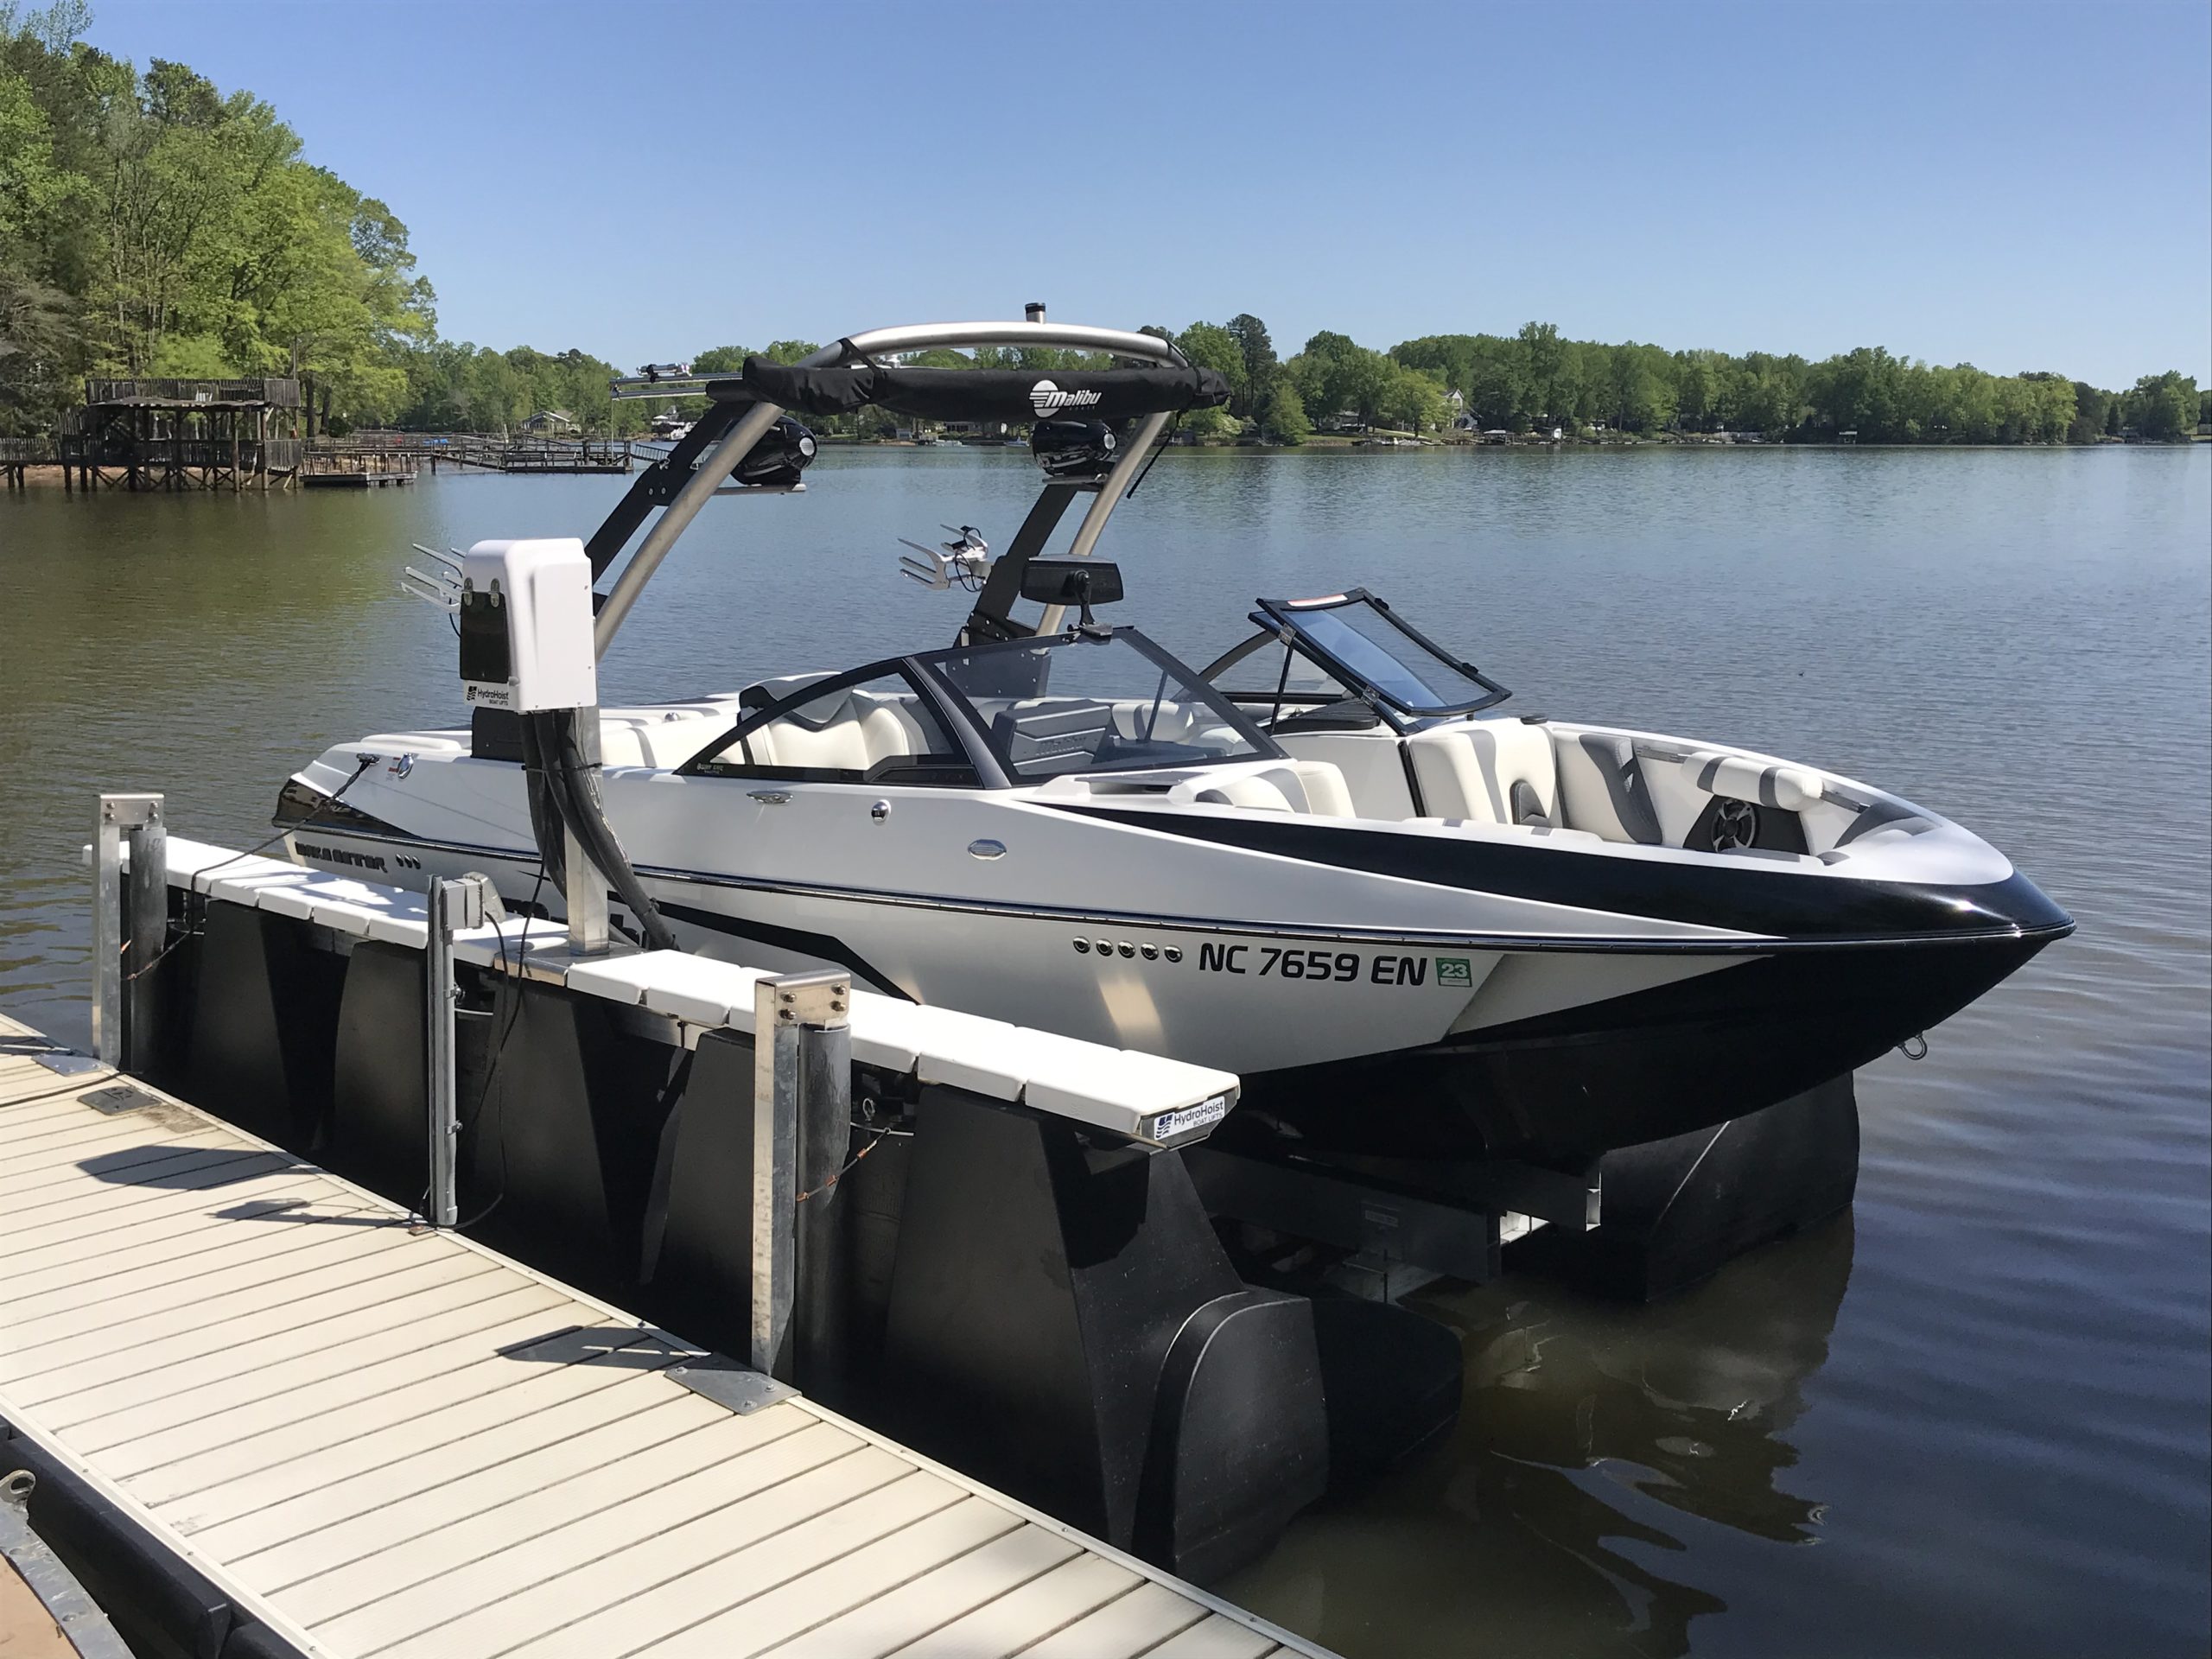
(1168, 1126)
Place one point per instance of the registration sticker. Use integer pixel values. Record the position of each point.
(1454, 970)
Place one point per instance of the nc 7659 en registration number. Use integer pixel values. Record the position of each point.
(1382, 967)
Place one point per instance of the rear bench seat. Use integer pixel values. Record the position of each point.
(865, 729)
(660, 737)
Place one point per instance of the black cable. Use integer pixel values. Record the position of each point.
(510, 982)
(360, 771)
(332, 799)
(575, 796)
(545, 819)
(1160, 448)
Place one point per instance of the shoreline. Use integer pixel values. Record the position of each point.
(46, 475)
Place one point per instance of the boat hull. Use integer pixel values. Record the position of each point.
(1564, 1087)
(1686, 995)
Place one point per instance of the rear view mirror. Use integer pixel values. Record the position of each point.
(1085, 583)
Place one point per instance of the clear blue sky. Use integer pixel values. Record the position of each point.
(2021, 186)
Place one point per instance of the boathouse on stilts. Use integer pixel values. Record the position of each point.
(183, 435)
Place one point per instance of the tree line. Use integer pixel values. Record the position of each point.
(1536, 379)
(152, 225)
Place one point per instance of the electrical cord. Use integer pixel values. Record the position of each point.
(574, 794)
(1166, 438)
(359, 772)
(853, 1163)
(511, 983)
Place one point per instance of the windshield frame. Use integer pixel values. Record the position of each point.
(961, 712)
(1281, 616)
(704, 763)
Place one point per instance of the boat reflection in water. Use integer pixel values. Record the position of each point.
(1590, 1430)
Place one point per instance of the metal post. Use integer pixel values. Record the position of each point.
(586, 895)
(454, 905)
(149, 900)
(142, 918)
(802, 1113)
(697, 491)
(1117, 484)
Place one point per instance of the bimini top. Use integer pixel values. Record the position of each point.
(975, 394)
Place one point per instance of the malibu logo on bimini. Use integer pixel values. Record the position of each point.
(1046, 398)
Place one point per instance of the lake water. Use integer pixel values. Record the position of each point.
(1972, 1417)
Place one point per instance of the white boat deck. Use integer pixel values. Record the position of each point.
(381, 1442)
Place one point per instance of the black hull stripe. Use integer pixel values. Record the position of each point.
(1744, 899)
(823, 946)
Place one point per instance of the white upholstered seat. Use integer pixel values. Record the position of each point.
(1487, 772)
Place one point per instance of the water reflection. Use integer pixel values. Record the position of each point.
(1599, 1446)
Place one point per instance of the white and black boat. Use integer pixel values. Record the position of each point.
(1332, 861)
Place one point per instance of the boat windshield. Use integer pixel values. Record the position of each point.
(1092, 700)
(1360, 639)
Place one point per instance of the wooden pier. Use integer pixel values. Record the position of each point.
(324, 475)
(182, 435)
(378, 1439)
(479, 452)
(18, 457)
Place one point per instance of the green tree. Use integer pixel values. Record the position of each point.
(1551, 377)
(2091, 407)
(1210, 345)
(1284, 420)
(1261, 368)
(1413, 399)
(2164, 407)
(1212, 425)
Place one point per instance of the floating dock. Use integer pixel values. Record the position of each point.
(371, 1437)
(352, 480)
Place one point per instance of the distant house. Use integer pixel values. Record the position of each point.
(1465, 420)
(552, 423)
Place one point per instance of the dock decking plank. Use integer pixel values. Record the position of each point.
(1123, 1628)
(484, 1389)
(199, 1358)
(844, 1582)
(259, 1511)
(80, 1214)
(1011, 1623)
(1215, 1638)
(21, 1176)
(142, 1233)
(659, 1582)
(886, 1622)
(569, 1449)
(141, 1321)
(478, 1559)
(409, 1447)
(510, 1313)
(62, 1288)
